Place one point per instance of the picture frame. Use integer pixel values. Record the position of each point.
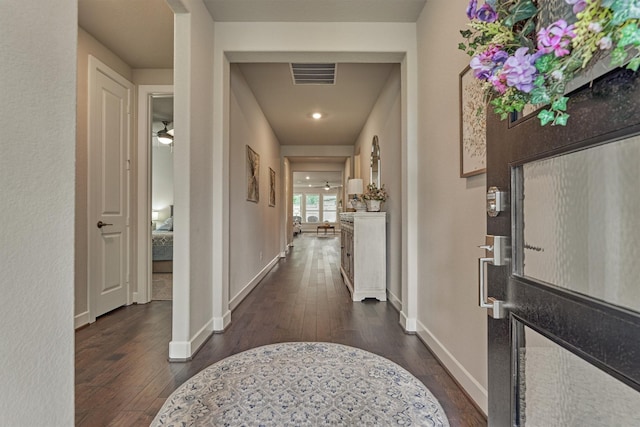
(473, 125)
(253, 175)
(272, 187)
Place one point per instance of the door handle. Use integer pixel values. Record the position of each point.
(495, 247)
(495, 307)
(101, 224)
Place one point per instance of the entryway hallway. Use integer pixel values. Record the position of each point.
(123, 376)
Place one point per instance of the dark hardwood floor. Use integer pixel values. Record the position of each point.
(123, 376)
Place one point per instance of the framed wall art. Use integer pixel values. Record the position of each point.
(253, 175)
(473, 125)
(272, 187)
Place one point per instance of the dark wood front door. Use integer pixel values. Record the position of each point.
(568, 343)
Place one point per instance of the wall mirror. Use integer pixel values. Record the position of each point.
(375, 162)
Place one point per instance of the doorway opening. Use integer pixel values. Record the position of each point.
(155, 106)
(162, 197)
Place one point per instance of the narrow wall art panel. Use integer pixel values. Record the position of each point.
(272, 187)
(253, 175)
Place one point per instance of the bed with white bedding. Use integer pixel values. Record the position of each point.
(162, 247)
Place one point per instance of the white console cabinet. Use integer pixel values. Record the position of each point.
(364, 254)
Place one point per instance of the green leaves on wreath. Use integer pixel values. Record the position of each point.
(618, 56)
(630, 34)
(560, 104)
(546, 117)
(539, 95)
(523, 9)
(555, 118)
(556, 114)
(623, 10)
(545, 63)
(505, 106)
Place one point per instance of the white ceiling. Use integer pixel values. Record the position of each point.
(162, 109)
(317, 180)
(345, 106)
(315, 10)
(141, 33)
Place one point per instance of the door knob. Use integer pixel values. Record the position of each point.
(101, 224)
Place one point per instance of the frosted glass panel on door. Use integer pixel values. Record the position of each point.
(581, 222)
(559, 389)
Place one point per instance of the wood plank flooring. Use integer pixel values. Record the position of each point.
(123, 376)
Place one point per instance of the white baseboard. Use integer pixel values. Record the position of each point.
(179, 351)
(221, 323)
(81, 319)
(136, 298)
(471, 386)
(233, 303)
(283, 254)
(183, 351)
(395, 302)
(201, 337)
(408, 323)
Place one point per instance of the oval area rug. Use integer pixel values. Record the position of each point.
(302, 384)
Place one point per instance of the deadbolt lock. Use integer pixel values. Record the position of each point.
(496, 201)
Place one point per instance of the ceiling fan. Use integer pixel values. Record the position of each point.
(326, 186)
(165, 136)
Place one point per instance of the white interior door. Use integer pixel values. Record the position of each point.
(108, 199)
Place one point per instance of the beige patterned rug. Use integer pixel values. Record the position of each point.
(302, 384)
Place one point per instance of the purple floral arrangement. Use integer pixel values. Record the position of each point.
(520, 66)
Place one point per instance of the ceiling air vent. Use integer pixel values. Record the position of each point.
(313, 74)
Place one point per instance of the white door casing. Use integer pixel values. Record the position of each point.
(110, 98)
(144, 262)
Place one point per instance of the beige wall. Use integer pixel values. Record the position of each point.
(38, 110)
(196, 221)
(255, 227)
(87, 45)
(452, 216)
(346, 176)
(152, 76)
(161, 178)
(385, 122)
(287, 191)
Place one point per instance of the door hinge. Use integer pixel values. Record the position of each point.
(128, 164)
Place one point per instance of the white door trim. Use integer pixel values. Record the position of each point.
(143, 234)
(96, 66)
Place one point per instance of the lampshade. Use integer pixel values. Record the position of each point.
(154, 215)
(355, 186)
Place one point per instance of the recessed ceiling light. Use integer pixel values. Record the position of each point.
(307, 177)
(316, 116)
(309, 185)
